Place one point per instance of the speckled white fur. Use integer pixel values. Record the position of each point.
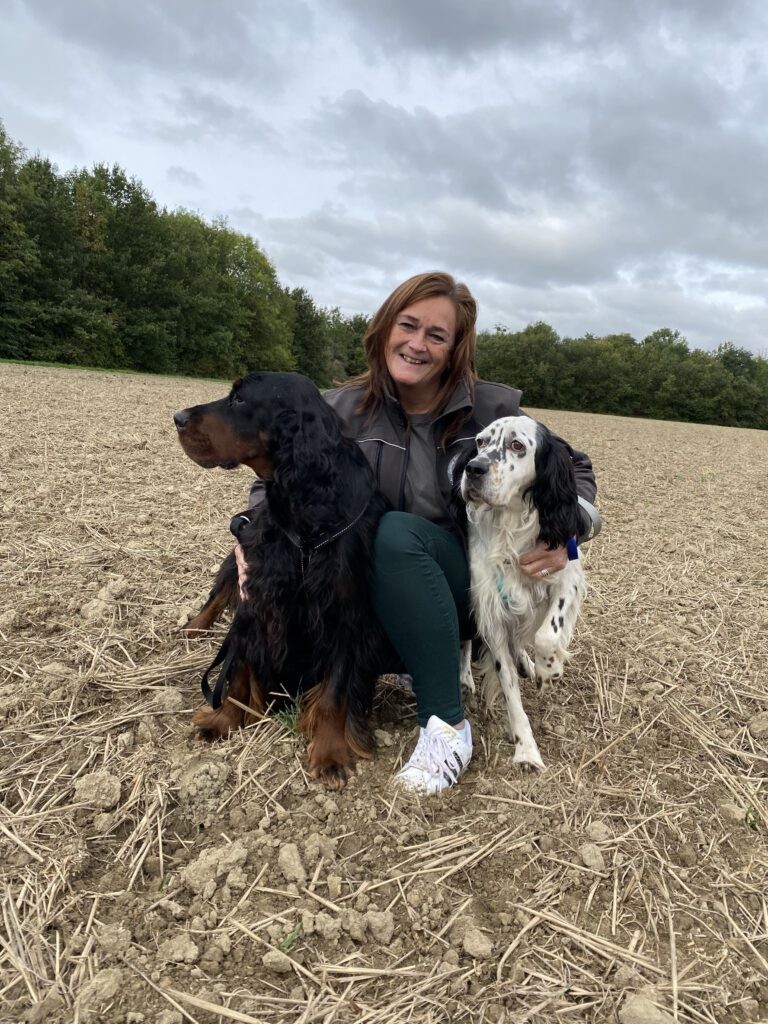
(512, 611)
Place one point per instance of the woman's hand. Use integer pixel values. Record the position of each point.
(242, 572)
(540, 561)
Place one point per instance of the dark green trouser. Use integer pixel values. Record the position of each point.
(421, 596)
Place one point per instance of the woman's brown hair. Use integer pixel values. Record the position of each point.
(376, 380)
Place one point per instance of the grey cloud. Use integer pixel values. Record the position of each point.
(38, 132)
(440, 153)
(455, 28)
(645, 163)
(461, 31)
(353, 262)
(454, 234)
(203, 116)
(623, 309)
(181, 176)
(597, 164)
(237, 40)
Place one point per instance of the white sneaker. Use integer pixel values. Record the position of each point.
(440, 758)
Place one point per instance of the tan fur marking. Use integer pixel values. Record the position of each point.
(218, 724)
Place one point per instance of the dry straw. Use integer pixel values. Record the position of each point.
(636, 865)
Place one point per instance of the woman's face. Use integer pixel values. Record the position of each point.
(419, 350)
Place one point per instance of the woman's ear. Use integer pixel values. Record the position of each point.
(553, 492)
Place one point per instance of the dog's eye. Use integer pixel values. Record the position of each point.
(516, 446)
(481, 442)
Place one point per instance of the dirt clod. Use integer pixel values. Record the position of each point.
(98, 789)
(275, 960)
(205, 874)
(476, 944)
(290, 863)
(114, 939)
(598, 831)
(641, 1009)
(592, 856)
(180, 949)
(102, 988)
(381, 924)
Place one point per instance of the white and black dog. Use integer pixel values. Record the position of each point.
(520, 489)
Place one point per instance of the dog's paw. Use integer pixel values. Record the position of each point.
(548, 669)
(525, 667)
(333, 776)
(528, 758)
(468, 680)
(189, 631)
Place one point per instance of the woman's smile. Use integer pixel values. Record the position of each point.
(419, 350)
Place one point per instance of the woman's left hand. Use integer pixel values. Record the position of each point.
(540, 561)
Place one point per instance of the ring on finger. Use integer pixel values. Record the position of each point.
(544, 572)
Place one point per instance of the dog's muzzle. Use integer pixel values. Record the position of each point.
(181, 419)
(477, 467)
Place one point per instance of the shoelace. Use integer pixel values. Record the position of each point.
(434, 754)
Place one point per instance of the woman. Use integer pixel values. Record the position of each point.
(414, 412)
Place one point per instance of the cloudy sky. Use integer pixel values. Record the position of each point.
(598, 164)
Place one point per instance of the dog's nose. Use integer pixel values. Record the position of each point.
(181, 419)
(478, 466)
(238, 523)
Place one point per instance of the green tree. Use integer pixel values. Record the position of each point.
(310, 338)
(19, 261)
(266, 331)
(597, 375)
(345, 335)
(531, 359)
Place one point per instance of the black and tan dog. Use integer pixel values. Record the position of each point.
(305, 623)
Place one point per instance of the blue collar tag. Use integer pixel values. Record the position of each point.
(503, 593)
(572, 549)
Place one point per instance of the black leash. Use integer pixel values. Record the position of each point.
(215, 697)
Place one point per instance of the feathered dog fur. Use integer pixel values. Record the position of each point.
(306, 624)
(519, 489)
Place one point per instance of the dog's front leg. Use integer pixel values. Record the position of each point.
(223, 597)
(322, 721)
(554, 635)
(337, 734)
(243, 703)
(526, 749)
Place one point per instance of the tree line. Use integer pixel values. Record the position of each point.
(93, 272)
(659, 377)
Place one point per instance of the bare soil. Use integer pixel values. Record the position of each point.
(149, 877)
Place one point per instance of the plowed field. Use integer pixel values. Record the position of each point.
(147, 877)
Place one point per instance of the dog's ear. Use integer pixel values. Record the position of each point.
(456, 469)
(301, 445)
(553, 492)
(457, 466)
